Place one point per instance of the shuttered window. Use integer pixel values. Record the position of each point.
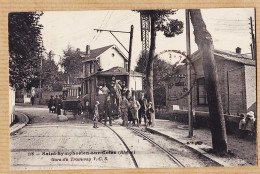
(201, 92)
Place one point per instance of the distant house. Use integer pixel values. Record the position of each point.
(237, 84)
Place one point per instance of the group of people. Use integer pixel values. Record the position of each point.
(247, 124)
(130, 110)
(55, 105)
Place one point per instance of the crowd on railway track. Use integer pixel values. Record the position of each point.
(131, 110)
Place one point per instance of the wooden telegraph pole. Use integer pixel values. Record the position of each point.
(130, 48)
(190, 113)
(253, 46)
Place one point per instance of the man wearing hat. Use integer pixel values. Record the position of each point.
(108, 110)
(105, 89)
(143, 109)
(124, 106)
(50, 104)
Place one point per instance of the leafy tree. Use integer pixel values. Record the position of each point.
(71, 62)
(160, 20)
(205, 45)
(161, 71)
(25, 48)
(51, 77)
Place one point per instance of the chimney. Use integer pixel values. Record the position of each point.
(87, 49)
(238, 50)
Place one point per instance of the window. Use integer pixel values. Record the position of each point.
(84, 68)
(201, 92)
(126, 67)
(86, 87)
(92, 68)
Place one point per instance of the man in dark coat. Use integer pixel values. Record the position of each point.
(108, 110)
(50, 104)
(143, 109)
(59, 105)
(32, 100)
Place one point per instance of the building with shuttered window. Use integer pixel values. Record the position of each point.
(237, 84)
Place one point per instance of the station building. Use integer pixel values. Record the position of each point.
(237, 84)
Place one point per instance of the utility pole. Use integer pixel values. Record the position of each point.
(41, 76)
(130, 46)
(190, 112)
(253, 46)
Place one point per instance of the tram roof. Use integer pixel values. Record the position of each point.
(118, 71)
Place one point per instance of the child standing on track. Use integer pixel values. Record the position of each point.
(96, 115)
(149, 113)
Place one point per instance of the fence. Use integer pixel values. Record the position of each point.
(11, 105)
(201, 119)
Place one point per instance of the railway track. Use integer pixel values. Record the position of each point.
(173, 158)
(139, 133)
(129, 151)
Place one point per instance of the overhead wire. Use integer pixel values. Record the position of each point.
(128, 22)
(97, 34)
(103, 25)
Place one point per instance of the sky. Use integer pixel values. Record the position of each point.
(229, 28)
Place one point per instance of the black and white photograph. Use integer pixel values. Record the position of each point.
(125, 89)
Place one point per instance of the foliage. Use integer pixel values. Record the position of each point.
(71, 62)
(163, 21)
(160, 20)
(161, 71)
(25, 48)
(52, 78)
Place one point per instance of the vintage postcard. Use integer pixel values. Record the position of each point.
(123, 89)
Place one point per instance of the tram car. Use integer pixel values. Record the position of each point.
(96, 87)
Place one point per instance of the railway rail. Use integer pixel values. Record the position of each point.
(139, 133)
(173, 158)
(129, 151)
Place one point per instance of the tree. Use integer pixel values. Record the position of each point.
(51, 77)
(71, 62)
(205, 45)
(161, 71)
(25, 48)
(159, 21)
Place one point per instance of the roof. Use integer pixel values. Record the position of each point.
(99, 51)
(117, 71)
(227, 55)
